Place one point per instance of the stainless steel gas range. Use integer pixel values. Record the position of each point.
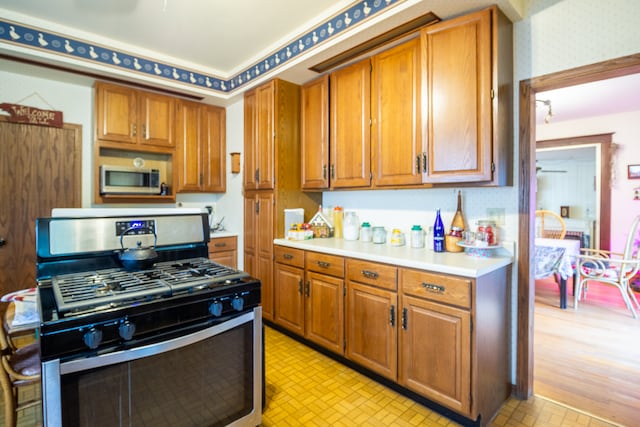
(170, 339)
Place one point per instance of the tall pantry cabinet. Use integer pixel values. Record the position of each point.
(271, 177)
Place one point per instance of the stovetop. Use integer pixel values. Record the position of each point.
(108, 287)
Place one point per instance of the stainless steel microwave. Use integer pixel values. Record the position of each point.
(129, 180)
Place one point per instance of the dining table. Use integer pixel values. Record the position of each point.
(556, 257)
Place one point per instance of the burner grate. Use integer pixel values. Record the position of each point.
(84, 290)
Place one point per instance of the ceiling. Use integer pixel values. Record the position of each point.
(227, 39)
(234, 42)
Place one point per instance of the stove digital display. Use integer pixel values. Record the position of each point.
(136, 227)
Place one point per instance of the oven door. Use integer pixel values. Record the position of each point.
(212, 377)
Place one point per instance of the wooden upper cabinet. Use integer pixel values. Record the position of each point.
(458, 90)
(131, 116)
(259, 137)
(214, 148)
(201, 147)
(396, 136)
(350, 126)
(314, 125)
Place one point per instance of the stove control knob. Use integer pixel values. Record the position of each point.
(92, 338)
(216, 308)
(237, 303)
(126, 330)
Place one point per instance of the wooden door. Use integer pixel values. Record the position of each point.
(116, 113)
(350, 126)
(371, 328)
(435, 352)
(188, 153)
(40, 169)
(314, 126)
(265, 135)
(289, 297)
(396, 134)
(214, 148)
(459, 95)
(250, 223)
(324, 311)
(157, 119)
(250, 149)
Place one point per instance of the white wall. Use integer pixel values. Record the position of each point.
(626, 128)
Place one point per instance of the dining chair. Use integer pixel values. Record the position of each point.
(20, 367)
(611, 268)
(550, 225)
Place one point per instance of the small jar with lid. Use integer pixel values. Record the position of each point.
(417, 237)
(489, 228)
(365, 232)
(397, 238)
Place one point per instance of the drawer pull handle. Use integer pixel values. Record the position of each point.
(369, 274)
(433, 288)
(404, 319)
(219, 245)
(287, 256)
(323, 264)
(392, 316)
(307, 289)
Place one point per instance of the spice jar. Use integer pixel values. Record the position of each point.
(365, 232)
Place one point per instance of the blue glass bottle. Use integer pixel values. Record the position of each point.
(438, 233)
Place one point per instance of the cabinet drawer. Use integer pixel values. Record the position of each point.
(371, 273)
(322, 263)
(436, 287)
(289, 256)
(221, 244)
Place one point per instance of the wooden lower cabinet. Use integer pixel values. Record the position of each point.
(371, 317)
(224, 250)
(324, 311)
(441, 336)
(435, 350)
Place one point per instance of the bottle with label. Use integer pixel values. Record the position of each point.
(438, 233)
(337, 222)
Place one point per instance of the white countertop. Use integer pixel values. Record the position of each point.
(459, 264)
(225, 233)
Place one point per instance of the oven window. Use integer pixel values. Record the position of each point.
(209, 383)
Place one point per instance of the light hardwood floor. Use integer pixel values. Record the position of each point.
(588, 358)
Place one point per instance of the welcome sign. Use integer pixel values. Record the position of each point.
(35, 116)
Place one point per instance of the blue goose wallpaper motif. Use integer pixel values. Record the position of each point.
(60, 44)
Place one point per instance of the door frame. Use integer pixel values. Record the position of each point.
(604, 146)
(526, 200)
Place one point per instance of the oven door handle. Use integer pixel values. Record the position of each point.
(155, 348)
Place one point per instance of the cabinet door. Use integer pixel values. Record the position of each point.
(315, 133)
(396, 135)
(324, 311)
(213, 147)
(435, 352)
(371, 331)
(156, 119)
(459, 97)
(264, 250)
(350, 126)
(189, 154)
(250, 160)
(265, 135)
(289, 298)
(116, 113)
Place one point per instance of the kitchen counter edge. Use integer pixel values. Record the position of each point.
(459, 264)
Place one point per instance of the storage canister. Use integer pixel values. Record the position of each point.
(337, 222)
(365, 232)
(417, 237)
(379, 235)
(350, 225)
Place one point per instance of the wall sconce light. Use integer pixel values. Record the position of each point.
(546, 103)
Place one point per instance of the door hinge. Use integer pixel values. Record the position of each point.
(493, 93)
(471, 326)
(493, 167)
(344, 291)
(258, 207)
